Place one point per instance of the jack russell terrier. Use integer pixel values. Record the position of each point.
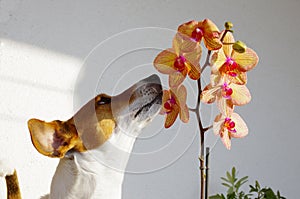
(104, 129)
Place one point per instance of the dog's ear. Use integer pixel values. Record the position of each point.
(54, 139)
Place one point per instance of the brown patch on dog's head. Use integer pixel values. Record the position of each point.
(95, 121)
(54, 139)
(90, 127)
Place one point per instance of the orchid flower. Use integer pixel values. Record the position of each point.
(231, 63)
(180, 60)
(226, 95)
(229, 127)
(174, 104)
(205, 29)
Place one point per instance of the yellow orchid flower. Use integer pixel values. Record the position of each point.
(180, 60)
(229, 127)
(174, 104)
(232, 63)
(226, 95)
(205, 29)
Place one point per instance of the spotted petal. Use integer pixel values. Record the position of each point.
(220, 129)
(209, 94)
(184, 114)
(240, 95)
(228, 40)
(225, 106)
(180, 95)
(218, 59)
(211, 35)
(194, 71)
(166, 96)
(217, 124)
(164, 62)
(188, 28)
(246, 60)
(225, 137)
(171, 116)
(216, 78)
(240, 126)
(183, 44)
(240, 79)
(176, 78)
(192, 63)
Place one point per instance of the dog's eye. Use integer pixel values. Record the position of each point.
(104, 100)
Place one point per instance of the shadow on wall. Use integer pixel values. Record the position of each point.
(34, 82)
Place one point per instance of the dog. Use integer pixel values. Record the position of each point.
(94, 145)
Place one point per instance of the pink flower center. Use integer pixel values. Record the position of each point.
(197, 34)
(168, 105)
(179, 63)
(226, 91)
(230, 67)
(229, 124)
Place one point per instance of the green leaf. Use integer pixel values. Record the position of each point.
(233, 175)
(233, 172)
(229, 177)
(269, 194)
(225, 179)
(241, 182)
(226, 185)
(218, 196)
(253, 189)
(230, 190)
(241, 195)
(233, 184)
(231, 195)
(278, 194)
(257, 185)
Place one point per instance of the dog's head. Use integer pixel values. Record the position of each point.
(96, 121)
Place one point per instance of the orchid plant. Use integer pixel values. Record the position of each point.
(228, 60)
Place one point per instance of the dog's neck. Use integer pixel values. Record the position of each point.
(97, 173)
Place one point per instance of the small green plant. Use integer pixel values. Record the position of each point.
(234, 184)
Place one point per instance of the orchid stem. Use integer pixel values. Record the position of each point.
(207, 128)
(206, 171)
(192, 109)
(203, 167)
(202, 131)
(206, 62)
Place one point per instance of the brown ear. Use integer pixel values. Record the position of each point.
(53, 139)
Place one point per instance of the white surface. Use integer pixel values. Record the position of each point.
(70, 29)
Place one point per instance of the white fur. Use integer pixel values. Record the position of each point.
(84, 175)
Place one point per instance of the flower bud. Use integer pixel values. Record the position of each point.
(239, 47)
(228, 25)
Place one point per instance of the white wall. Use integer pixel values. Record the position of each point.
(43, 45)
(34, 83)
